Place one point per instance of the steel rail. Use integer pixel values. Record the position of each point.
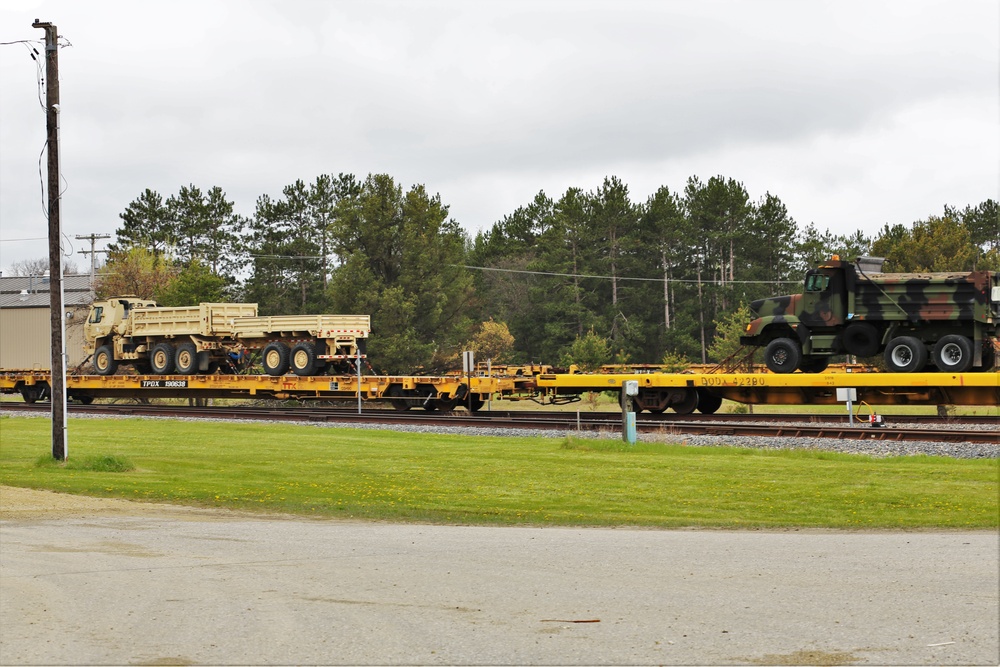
(315, 409)
(608, 421)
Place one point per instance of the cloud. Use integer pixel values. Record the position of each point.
(851, 112)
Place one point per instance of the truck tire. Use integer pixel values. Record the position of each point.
(161, 359)
(303, 359)
(905, 354)
(861, 339)
(953, 354)
(275, 358)
(782, 355)
(104, 361)
(186, 359)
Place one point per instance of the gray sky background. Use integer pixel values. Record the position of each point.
(855, 113)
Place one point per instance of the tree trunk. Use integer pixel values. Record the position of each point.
(701, 318)
(666, 292)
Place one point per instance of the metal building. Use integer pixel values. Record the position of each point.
(25, 326)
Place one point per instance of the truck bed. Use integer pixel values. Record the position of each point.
(926, 296)
(318, 326)
(206, 319)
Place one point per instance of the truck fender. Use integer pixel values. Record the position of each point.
(763, 329)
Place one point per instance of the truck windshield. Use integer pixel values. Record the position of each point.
(96, 315)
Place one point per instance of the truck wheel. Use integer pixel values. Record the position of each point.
(861, 339)
(161, 359)
(782, 355)
(186, 359)
(104, 361)
(953, 354)
(275, 359)
(303, 359)
(905, 354)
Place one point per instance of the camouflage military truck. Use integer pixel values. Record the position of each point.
(948, 319)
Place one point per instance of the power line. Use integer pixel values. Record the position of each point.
(652, 280)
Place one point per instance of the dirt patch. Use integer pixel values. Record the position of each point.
(20, 504)
(818, 658)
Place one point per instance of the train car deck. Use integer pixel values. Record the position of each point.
(682, 392)
(787, 389)
(441, 392)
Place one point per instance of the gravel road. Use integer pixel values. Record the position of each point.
(94, 581)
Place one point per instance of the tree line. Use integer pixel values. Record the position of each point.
(632, 281)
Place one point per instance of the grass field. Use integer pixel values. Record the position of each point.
(383, 475)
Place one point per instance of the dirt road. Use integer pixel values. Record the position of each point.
(89, 581)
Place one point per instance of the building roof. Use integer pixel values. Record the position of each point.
(33, 291)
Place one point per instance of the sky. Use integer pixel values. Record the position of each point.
(855, 113)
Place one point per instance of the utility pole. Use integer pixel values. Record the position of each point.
(57, 377)
(92, 252)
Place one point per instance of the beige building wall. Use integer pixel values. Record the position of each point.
(25, 336)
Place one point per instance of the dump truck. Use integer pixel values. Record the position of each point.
(212, 336)
(948, 319)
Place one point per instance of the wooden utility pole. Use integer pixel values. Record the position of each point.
(93, 252)
(57, 378)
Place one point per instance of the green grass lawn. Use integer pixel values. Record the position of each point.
(383, 475)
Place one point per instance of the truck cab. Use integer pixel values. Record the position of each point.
(800, 330)
(110, 316)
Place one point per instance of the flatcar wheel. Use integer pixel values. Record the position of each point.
(161, 359)
(687, 404)
(708, 404)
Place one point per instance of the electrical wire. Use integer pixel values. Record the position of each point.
(654, 280)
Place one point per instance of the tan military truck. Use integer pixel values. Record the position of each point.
(204, 338)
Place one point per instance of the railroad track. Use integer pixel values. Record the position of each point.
(952, 429)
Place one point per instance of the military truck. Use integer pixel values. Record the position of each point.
(948, 319)
(204, 338)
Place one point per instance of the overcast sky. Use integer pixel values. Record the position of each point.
(854, 113)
